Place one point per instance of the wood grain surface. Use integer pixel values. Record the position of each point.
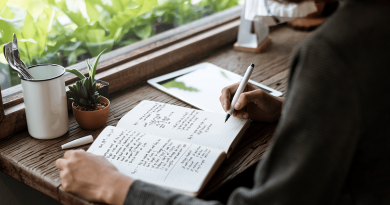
(31, 161)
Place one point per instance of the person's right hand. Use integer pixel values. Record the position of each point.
(253, 103)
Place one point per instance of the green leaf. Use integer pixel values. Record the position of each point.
(83, 102)
(89, 68)
(76, 16)
(79, 84)
(75, 72)
(71, 94)
(89, 86)
(91, 33)
(147, 5)
(77, 93)
(85, 82)
(94, 48)
(121, 18)
(2, 4)
(83, 92)
(127, 42)
(6, 30)
(94, 87)
(33, 38)
(72, 58)
(49, 57)
(97, 98)
(90, 104)
(73, 89)
(94, 66)
(143, 31)
(92, 12)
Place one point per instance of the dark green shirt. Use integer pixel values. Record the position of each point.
(332, 143)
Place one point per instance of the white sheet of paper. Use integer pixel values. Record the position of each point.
(184, 124)
(158, 160)
(198, 86)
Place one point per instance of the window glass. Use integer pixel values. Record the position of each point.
(66, 32)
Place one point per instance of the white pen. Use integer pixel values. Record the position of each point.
(75, 143)
(240, 88)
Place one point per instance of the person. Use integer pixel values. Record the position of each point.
(332, 141)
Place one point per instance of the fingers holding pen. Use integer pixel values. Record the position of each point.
(243, 100)
(247, 97)
(227, 94)
(241, 114)
(225, 102)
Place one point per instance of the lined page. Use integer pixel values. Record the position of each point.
(184, 124)
(158, 160)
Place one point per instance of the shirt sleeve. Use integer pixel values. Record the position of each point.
(144, 193)
(313, 146)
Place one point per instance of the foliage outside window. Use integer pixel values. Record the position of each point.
(66, 32)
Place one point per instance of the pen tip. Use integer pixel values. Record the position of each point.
(252, 65)
(227, 117)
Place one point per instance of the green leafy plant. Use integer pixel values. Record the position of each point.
(84, 93)
(66, 32)
(91, 69)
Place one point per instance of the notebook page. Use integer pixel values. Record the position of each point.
(158, 160)
(184, 124)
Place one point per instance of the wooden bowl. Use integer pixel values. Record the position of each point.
(92, 120)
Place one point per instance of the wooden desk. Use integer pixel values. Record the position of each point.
(31, 161)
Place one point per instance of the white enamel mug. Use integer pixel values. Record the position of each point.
(45, 102)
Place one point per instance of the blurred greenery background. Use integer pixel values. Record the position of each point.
(66, 32)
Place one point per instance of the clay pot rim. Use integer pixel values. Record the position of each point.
(108, 105)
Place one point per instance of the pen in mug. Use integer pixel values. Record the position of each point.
(240, 89)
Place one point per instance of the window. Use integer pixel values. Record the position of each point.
(67, 32)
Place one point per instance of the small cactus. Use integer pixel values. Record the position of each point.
(84, 93)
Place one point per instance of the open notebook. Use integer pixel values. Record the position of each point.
(171, 146)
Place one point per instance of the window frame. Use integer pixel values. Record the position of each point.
(144, 61)
(13, 95)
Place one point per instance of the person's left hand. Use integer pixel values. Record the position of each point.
(92, 177)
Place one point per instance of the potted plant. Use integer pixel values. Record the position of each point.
(90, 109)
(102, 85)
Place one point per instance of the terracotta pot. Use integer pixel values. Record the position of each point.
(92, 120)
